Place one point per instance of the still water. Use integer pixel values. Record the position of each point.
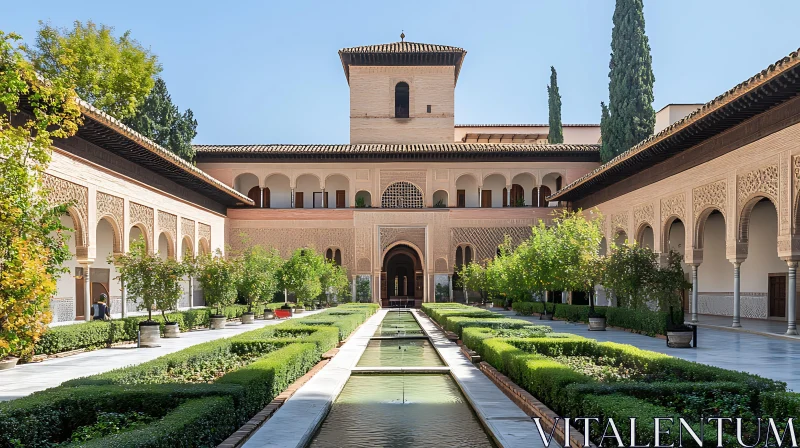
(401, 411)
(399, 353)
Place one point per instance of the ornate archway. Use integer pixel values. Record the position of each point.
(402, 277)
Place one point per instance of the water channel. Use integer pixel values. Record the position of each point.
(401, 409)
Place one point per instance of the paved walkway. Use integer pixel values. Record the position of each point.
(764, 327)
(26, 379)
(778, 359)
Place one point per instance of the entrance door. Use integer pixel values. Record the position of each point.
(339, 198)
(461, 198)
(100, 284)
(298, 199)
(486, 198)
(777, 295)
(80, 292)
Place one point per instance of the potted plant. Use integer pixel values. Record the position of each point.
(168, 292)
(218, 278)
(258, 277)
(669, 281)
(302, 274)
(269, 313)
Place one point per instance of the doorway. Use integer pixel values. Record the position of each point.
(402, 278)
(777, 295)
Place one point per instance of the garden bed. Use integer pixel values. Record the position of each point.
(577, 376)
(195, 397)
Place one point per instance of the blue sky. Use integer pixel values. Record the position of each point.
(268, 71)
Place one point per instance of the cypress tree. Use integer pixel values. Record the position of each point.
(631, 117)
(556, 132)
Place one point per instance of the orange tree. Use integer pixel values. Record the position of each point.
(33, 112)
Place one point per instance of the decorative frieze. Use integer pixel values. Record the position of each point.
(643, 214)
(709, 195)
(391, 235)
(619, 221)
(187, 228)
(204, 233)
(60, 191)
(112, 208)
(762, 181)
(141, 215)
(168, 223)
(673, 206)
(485, 240)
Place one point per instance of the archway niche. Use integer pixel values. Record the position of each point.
(103, 273)
(522, 190)
(276, 186)
(763, 272)
(248, 185)
(337, 189)
(363, 199)
(551, 183)
(308, 192)
(715, 273)
(492, 192)
(646, 237)
(467, 191)
(440, 199)
(166, 248)
(402, 277)
(620, 237)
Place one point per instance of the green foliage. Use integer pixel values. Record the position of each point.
(158, 119)
(630, 271)
(113, 74)
(361, 202)
(218, 277)
(669, 281)
(151, 280)
(363, 289)
(334, 281)
(556, 133)
(110, 423)
(302, 274)
(32, 240)
(259, 275)
(630, 117)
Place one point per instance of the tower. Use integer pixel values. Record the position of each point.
(402, 92)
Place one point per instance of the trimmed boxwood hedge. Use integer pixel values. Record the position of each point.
(644, 321)
(288, 350)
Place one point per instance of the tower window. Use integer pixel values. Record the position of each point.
(429, 108)
(401, 100)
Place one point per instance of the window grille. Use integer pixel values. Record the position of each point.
(402, 195)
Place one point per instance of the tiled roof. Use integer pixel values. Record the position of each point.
(403, 47)
(747, 99)
(169, 159)
(544, 125)
(383, 151)
(402, 54)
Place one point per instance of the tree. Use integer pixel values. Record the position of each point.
(159, 120)
(113, 74)
(630, 273)
(363, 290)
(669, 282)
(556, 133)
(334, 280)
(151, 280)
(578, 241)
(32, 239)
(218, 276)
(302, 273)
(631, 117)
(606, 153)
(259, 279)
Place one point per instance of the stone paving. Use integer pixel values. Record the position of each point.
(770, 357)
(26, 379)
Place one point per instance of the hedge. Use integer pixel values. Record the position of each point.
(284, 352)
(642, 321)
(204, 422)
(97, 334)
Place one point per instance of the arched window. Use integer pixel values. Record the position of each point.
(402, 195)
(401, 100)
(337, 257)
(255, 195)
(329, 254)
(467, 255)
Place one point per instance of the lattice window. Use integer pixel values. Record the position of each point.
(402, 195)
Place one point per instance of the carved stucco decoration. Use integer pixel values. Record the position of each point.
(484, 240)
(187, 229)
(287, 240)
(619, 221)
(784, 201)
(364, 266)
(643, 214)
(673, 206)
(204, 233)
(168, 223)
(709, 195)
(388, 177)
(414, 235)
(762, 181)
(440, 267)
(141, 215)
(60, 192)
(113, 208)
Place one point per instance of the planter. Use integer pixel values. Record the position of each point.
(248, 318)
(218, 322)
(298, 310)
(149, 334)
(269, 314)
(597, 324)
(679, 339)
(546, 317)
(172, 330)
(8, 363)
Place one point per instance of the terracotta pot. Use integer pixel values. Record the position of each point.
(8, 363)
(248, 318)
(597, 324)
(149, 334)
(218, 322)
(172, 330)
(679, 339)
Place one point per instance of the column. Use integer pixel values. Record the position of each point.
(353, 290)
(123, 299)
(792, 296)
(87, 292)
(508, 196)
(191, 292)
(291, 198)
(378, 284)
(324, 199)
(737, 303)
(694, 293)
(450, 286)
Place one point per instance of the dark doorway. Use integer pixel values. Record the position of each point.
(486, 198)
(777, 295)
(339, 198)
(401, 100)
(403, 278)
(80, 293)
